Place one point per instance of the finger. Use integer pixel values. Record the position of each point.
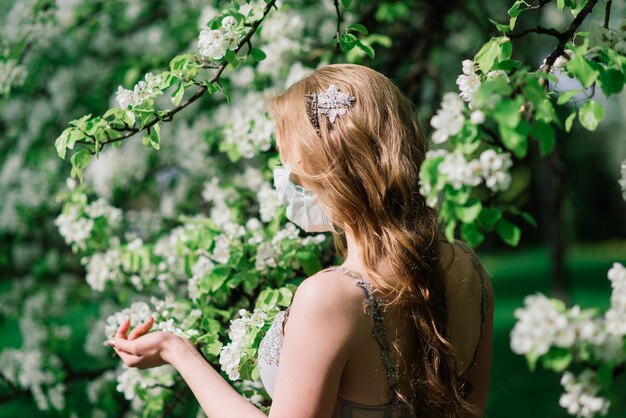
(130, 359)
(141, 329)
(128, 346)
(123, 329)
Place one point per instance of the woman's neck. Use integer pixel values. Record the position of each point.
(353, 256)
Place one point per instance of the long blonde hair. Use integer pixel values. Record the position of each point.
(365, 170)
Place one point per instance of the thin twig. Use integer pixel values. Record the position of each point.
(339, 19)
(607, 14)
(537, 29)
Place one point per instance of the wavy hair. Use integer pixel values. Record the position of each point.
(365, 171)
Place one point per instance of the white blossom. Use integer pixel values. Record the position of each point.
(104, 267)
(229, 23)
(495, 169)
(458, 171)
(155, 380)
(269, 203)
(230, 354)
(449, 118)
(213, 43)
(201, 268)
(74, 228)
(540, 324)
(221, 252)
(622, 181)
(615, 323)
(477, 117)
(580, 398)
(469, 81)
(100, 207)
(248, 129)
(143, 90)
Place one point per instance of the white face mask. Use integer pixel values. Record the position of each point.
(303, 209)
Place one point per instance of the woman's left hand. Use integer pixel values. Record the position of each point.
(142, 349)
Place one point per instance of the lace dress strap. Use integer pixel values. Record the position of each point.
(372, 307)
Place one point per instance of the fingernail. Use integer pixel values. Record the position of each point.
(109, 343)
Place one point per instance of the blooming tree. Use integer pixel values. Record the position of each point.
(203, 245)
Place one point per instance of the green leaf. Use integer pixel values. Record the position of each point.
(286, 296)
(154, 137)
(483, 97)
(545, 112)
(506, 50)
(486, 56)
(605, 375)
(310, 262)
(515, 139)
(357, 27)
(515, 10)
(61, 143)
(365, 48)
(178, 94)
(531, 359)
(611, 81)
(501, 26)
(560, 4)
(178, 62)
(231, 58)
(557, 359)
(533, 91)
(346, 3)
(508, 65)
(80, 160)
(590, 114)
(488, 217)
(579, 7)
(221, 89)
(347, 41)
(507, 112)
(566, 96)
(545, 135)
(582, 70)
(258, 54)
(570, 120)
(472, 234)
(449, 230)
(128, 117)
(469, 212)
(509, 233)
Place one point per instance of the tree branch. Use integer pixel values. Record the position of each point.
(539, 5)
(200, 92)
(607, 14)
(540, 30)
(560, 48)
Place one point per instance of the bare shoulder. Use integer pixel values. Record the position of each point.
(330, 295)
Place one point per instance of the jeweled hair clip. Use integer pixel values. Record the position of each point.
(331, 103)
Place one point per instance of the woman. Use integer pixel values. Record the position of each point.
(404, 326)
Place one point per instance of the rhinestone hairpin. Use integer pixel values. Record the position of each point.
(331, 103)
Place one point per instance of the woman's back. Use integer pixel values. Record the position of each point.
(364, 389)
(369, 385)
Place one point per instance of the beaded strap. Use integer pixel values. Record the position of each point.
(372, 307)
